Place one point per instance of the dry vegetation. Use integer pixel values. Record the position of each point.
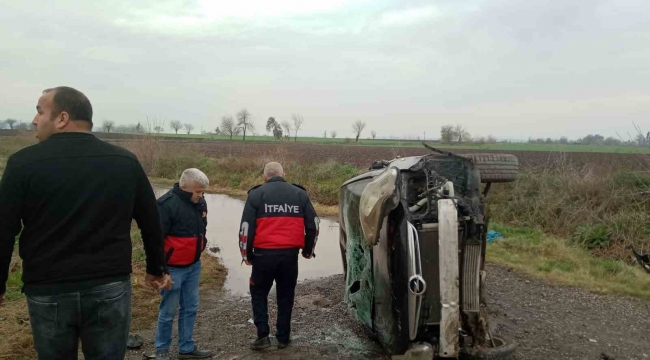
(604, 207)
(605, 213)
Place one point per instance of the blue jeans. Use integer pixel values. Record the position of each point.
(100, 317)
(184, 292)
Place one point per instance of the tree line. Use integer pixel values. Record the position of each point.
(458, 134)
(14, 124)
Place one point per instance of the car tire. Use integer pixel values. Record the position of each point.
(505, 350)
(496, 167)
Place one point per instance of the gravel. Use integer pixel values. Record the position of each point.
(555, 322)
(547, 321)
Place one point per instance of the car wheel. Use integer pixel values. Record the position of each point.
(504, 350)
(496, 167)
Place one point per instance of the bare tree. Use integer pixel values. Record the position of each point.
(228, 126)
(297, 123)
(373, 134)
(287, 128)
(447, 134)
(461, 134)
(108, 125)
(333, 133)
(358, 127)
(175, 125)
(244, 122)
(22, 126)
(154, 124)
(188, 128)
(11, 123)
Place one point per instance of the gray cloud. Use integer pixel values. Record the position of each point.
(509, 68)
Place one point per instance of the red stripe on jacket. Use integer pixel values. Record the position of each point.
(280, 232)
(183, 250)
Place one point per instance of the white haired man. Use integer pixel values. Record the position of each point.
(183, 212)
(278, 220)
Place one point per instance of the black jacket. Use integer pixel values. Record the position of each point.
(184, 224)
(278, 215)
(75, 196)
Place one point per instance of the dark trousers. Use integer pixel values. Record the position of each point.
(283, 268)
(100, 317)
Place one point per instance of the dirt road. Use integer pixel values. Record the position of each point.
(553, 322)
(548, 322)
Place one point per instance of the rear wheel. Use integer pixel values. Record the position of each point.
(496, 167)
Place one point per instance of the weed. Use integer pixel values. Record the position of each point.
(561, 261)
(592, 236)
(557, 265)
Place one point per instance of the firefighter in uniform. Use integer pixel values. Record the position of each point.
(278, 220)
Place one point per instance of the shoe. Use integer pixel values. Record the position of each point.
(283, 345)
(162, 354)
(261, 344)
(134, 342)
(195, 354)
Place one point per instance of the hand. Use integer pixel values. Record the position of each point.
(2, 298)
(158, 282)
(306, 256)
(167, 282)
(248, 262)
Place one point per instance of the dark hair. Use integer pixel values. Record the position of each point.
(72, 101)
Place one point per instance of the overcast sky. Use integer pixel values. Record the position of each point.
(509, 68)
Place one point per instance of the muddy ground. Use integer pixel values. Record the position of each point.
(547, 321)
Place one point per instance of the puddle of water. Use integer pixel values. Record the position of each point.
(224, 215)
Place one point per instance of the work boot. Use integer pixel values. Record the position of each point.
(195, 354)
(162, 354)
(283, 345)
(261, 344)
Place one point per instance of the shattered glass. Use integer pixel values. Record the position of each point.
(359, 281)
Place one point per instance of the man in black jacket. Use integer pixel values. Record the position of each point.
(278, 221)
(184, 215)
(74, 197)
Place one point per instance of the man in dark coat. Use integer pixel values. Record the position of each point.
(278, 220)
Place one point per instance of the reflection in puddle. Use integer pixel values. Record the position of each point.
(224, 215)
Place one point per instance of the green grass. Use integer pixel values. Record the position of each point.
(418, 144)
(14, 281)
(530, 251)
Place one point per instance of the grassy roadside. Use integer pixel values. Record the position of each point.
(559, 261)
(15, 330)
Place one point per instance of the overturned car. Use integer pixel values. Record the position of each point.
(413, 240)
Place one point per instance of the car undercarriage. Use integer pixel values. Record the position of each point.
(413, 243)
